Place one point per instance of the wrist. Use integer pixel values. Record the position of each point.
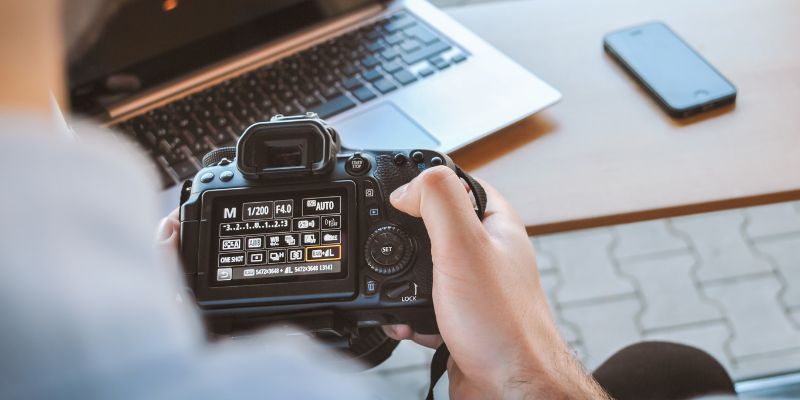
(544, 366)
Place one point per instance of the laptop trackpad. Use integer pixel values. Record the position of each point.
(383, 127)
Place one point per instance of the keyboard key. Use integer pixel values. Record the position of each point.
(392, 66)
(439, 62)
(404, 77)
(410, 45)
(334, 106)
(394, 38)
(370, 61)
(363, 94)
(352, 83)
(376, 46)
(310, 101)
(458, 58)
(401, 21)
(389, 54)
(166, 179)
(384, 85)
(348, 70)
(372, 74)
(425, 72)
(220, 138)
(185, 169)
(373, 34)
(330, 92)
(421, 33)
(425, 52)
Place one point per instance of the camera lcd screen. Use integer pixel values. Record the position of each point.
(274, 237)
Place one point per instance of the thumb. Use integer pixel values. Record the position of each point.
(438, 196)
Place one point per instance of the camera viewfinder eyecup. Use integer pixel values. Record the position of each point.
(287, 147)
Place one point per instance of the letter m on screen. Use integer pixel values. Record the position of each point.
(229, 213)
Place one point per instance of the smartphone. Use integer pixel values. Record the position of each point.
(678, 78)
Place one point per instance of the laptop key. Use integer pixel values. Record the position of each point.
(404, 77)
(426, 72)
(348, 70)
(352, 83)
(389, 54)
(363, 94)
(370, 61)
(392, 66)
(458, 58)
(439, 62)
(394, 38)
(330, 92)
(310, 101)
(373, 34)
(185, 169)
(399, 22)
(425, 52)
(166, 179)
(334, 106)
(384, 85)
(410, 45)
(421, 33)
(371, 74)
(376, 46)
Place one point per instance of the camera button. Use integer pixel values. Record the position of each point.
(370, 286)
(400, 159)
(436, 161)
(356, 164)
(207, 177)
(226, 176)
(388, 250)
(417, 156)
(394, 292)
(369, 190)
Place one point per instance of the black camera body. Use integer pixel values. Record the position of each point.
(289, 228)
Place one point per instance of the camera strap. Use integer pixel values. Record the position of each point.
(442, 354)
(477, 191)
(438, 367)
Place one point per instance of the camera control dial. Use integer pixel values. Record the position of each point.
(388, 250)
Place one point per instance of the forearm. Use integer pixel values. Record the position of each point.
(550, 370)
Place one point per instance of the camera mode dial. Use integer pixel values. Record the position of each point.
(388, 250)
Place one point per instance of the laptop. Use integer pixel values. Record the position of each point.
(185, 77)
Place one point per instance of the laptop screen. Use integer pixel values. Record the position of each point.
(150, 42)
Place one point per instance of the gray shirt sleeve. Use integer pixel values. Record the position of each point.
(87, 305)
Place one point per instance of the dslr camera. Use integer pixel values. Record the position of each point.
(290, 228)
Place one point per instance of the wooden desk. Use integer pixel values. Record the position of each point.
(606, 153)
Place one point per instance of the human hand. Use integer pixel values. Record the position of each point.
(489, 303)
(168, 234)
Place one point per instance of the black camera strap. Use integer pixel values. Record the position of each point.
(477, 191)
(438, 367)
(442, 354)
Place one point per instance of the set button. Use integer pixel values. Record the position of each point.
(388, 250)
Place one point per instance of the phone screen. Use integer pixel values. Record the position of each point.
(679, 78)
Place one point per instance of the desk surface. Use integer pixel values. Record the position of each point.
(607, 153)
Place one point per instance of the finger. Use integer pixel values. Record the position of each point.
(438, 196)
(404, 332)
(168, 232)
(500, 218)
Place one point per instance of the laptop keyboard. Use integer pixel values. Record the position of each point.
(330, 78)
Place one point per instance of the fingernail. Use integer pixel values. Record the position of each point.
(399, 192)
(165, 230)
